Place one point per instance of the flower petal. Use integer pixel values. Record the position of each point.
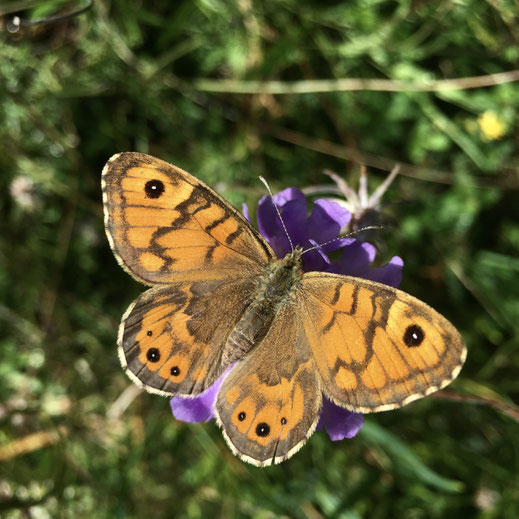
(268, 219)
(288, 194)
(337, 244)
(339, 422)
(199, 408)
(245, 211)
(356, 259)
(293, 211)
(390, 274)
(327, 220)
(294, 214)
(316, 259)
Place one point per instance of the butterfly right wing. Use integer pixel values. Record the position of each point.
(168, 229)
(164, 225)
(171, 338)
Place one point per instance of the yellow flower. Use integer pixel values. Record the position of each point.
(491, 126)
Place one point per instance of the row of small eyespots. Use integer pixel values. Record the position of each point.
(262, 429)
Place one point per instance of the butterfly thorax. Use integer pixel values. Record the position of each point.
(275, 288)
(280, 278)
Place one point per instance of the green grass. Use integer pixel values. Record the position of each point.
(75, 439)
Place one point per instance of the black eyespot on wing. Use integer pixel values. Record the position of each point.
(262, 429)
(154, 188)
(283, 421)
(241, 416)
(149, 333)
(175, 371)
(413, 336)
(153, 355)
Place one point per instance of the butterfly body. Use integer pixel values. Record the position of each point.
(275, 289)
(220, 300)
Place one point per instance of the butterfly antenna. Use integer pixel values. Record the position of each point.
(278, 212)
(352, 233)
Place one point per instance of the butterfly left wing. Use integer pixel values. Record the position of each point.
(376, 347)
(269, 404)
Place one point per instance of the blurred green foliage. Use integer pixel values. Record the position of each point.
(75, 439)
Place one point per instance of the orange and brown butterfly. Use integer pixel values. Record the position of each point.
(221, 301)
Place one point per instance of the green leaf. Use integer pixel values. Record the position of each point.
(405, 461)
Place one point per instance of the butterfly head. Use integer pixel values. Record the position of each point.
(293, 260)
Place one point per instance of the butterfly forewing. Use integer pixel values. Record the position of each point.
(376, 347)
(165, 225)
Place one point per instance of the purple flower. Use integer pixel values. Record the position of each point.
(199, 408)
(321, 227)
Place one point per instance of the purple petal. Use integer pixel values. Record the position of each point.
(199, 408)
(268, 219)
(291, 201)
(280, 245)
(245, 211)
(288, 194)
(294, 214)
(339, 422)
(337, 244)
(390, 274)
(323, 226)
(327, 220)
(356, 259)
(320, 251)
(313, 262)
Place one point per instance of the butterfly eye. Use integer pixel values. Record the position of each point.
(413, 336)
(154, 188)
(153, 355)
(262, 429)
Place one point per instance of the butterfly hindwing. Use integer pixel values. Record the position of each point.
(269, 404)
(172, 338)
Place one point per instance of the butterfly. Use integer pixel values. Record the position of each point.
(221, 300)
